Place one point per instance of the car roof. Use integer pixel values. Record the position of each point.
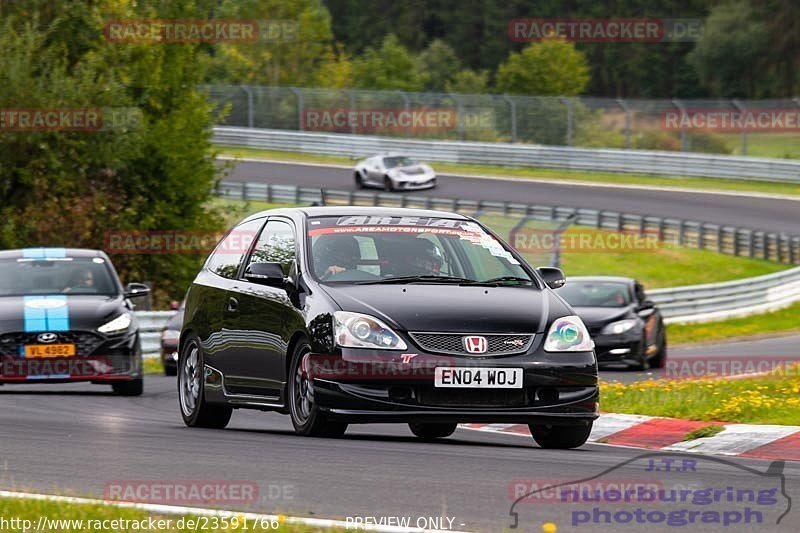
(339, 211)
(50, 253)
(617, 279)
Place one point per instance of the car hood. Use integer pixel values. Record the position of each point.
(46, 312)
(412, 170)
(599, 316)
(446, 308)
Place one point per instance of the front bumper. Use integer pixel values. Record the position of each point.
(110, 359)
(560, 389)
(625, 348)
(402, 185)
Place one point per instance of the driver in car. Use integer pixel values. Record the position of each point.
(80, 279)
(424, 258)
(335, 254)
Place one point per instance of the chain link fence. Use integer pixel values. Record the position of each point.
(767, 128)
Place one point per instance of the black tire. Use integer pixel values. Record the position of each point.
(560, 437)
(387, 184)
(359, 180)
(134, 387)
(200, 413)
(659, 359)
(432, 431)
(642, 361)
(306, 416)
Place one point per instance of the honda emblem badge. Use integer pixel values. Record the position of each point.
(476, 344)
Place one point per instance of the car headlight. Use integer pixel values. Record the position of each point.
(121, 323)
(354, 330)
(619, 327)
(568, 334)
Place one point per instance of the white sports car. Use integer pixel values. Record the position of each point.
(394, 173)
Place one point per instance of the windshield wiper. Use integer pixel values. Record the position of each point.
(415, 279)
(501, 279)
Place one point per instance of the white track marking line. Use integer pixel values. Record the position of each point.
(175, 509)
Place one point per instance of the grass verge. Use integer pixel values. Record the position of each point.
(74, 518)
(773, 399)
(716, 184)
(782, 321)
(152, 365)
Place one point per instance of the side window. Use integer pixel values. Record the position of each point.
(275, 245)
(227, 256)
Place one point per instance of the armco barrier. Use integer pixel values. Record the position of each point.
(518, 155)
(150, 325)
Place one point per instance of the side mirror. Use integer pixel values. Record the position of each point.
(553, 277)
(136, 290)
(265, 274)
(646, 305)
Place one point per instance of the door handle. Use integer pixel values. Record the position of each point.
(233, 304)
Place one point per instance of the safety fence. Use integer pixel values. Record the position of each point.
(744, 127)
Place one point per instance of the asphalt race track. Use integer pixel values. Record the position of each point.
(769, 214)
(77, 439)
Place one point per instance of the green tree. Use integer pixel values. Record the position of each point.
(389, 67)
(335, 70)
(551, 67)
(440, 64)
(729, 58)
(292, 57)
(152, 169)
(468, 82)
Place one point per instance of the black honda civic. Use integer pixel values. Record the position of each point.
(342, 315)
(65, 316)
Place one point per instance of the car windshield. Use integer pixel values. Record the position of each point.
(68, 275)
(377, 249)
(398, 161)
(595, 293)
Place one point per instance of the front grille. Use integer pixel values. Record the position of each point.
(433, 397)
(453, 343)
(85, 342)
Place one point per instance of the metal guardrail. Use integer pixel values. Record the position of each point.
(150, 325)
(729, 240)
(518, 155)
(718, 301)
